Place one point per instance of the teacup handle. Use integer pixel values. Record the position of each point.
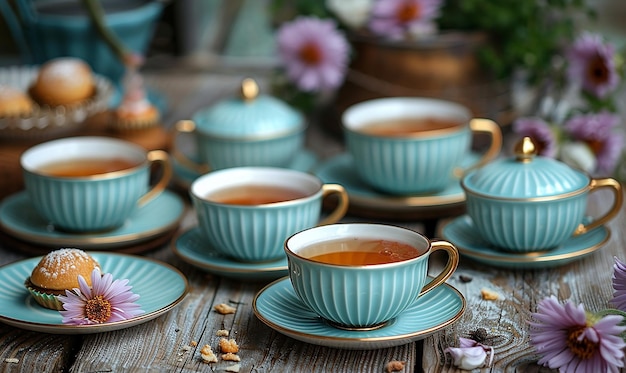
(616, 187)
(446, 273)
(161, 157)
(483, 125)
(187, 126)
(342, 205)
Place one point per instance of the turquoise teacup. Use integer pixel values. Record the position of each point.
(532, 203)
(412, 145)
(246, 213)
(91, 184)
(359, 276)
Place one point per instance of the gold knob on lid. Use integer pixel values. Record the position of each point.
(525, 150)
(249, 89)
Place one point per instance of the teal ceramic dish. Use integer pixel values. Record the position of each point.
(19, 219)
(160, 288)
(531, 203)
(192, 247)
(60, 28)
(250, 130)
(462, 232)
(278, 307)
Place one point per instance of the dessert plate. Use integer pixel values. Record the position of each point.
(160, 287)
(19, 219)
(191, 247)
(461, 232)
(364, 200)
(184, 176)
(278, 306)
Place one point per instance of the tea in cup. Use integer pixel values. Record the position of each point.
(246, 213)
(411, 145)
(91, 184)
(359, 275)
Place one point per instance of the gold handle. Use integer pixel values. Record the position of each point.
(616, 187)
(342, 206)
(446, 273)
(482, 125)
(187, 126)
(161, 157)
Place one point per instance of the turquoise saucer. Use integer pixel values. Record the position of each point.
(340, 170)
(19, 219)
(160, 288)
(184, 176)
(461, 232)
(278, 306)
(192, 248)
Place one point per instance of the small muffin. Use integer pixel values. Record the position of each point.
(14, 103)
(63, 81)
(135, 111)
(58, 271)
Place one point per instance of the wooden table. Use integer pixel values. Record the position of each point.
(160, 345)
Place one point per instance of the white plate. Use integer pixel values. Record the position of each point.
(278, 306)
(159, 285)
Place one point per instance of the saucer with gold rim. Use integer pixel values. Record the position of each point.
(278, 306)
(19, 219)
(364, 200)
(461, 232)
(191, 247)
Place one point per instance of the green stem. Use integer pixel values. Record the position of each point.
(96, 14)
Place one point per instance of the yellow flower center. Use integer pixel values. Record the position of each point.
(98, 309)
(408, 12)
(311, 54)
(597, 71)
(583, 348)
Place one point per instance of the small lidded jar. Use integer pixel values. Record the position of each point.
(531, 203)
(249, 130)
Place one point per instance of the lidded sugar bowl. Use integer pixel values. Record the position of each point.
(249, 130)
(531, 203)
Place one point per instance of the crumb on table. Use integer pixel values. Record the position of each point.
(224, 309)
(228, 345)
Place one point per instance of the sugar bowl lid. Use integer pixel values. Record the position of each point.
(250, 115)
(526, 175)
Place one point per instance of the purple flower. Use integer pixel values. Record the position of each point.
(105, 301)
(596, 130)
(619, 285)
(541, 133)
(592, 64)
(470, 354)
(396, 19)
(314, 53)
(571, 340)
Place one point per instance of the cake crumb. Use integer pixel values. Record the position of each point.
(225, 309)
(231, 357)
(233, 368)
(394, 366)
(222, 333)
(193, 343)
(488, 294)
(11, 360)
(228, 345)
(207, 355)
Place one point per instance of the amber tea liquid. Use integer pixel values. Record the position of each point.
(255, 195)
(357, 252)
(86, 167)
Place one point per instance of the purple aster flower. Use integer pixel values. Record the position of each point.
(470, 354)
(541, 133)
(105, 301)
(592, 64)
(619, 285)
(572, 340)
(396, 19)
(596, 130)
(314, 53)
